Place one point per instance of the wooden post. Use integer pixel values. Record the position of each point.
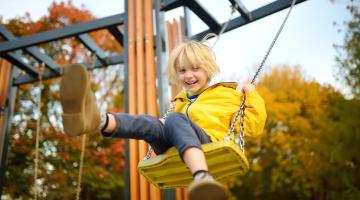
(150, 72)
(144, 186)
(133, 144)
(6, 104)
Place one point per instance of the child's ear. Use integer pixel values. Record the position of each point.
(209, 77)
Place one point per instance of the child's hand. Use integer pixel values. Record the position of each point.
(246, 88)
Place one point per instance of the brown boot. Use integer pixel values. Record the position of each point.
(81, 114)
(207, 188)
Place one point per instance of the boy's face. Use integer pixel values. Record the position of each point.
(193, 79)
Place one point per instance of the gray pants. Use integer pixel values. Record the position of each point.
(178, 130)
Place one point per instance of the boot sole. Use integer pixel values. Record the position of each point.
(73, 90)
(209, 190)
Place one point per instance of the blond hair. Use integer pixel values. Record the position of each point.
(194, 53)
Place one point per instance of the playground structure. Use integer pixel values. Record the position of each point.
(142, 62)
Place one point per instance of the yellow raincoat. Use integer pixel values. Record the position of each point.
(215, 107)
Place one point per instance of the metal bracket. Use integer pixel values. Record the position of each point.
(2, 110)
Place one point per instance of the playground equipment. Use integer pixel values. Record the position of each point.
(232, 157)
(112, 23)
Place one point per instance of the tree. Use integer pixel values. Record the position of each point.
(309, 142)
(59, 155)
(349, 53)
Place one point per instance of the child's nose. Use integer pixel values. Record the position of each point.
(188, 74)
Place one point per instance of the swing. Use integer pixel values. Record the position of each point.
(37, 140)
(37, 148)
(225, 158)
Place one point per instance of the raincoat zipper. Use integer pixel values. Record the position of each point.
(187, 109)
(191, 102)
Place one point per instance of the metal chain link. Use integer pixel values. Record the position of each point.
(241, 111)
(224, 27)
(37, 137)
(83, 141)
(82, 155)
(168, 111)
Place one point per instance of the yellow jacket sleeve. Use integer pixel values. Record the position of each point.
(255, 116)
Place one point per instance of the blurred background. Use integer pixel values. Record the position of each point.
(310, 83)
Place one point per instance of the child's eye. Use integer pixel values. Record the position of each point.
(181, 70)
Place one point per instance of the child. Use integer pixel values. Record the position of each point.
(202, 113)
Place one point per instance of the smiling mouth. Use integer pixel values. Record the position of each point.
(191, 83)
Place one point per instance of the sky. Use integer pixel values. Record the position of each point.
(306, 41)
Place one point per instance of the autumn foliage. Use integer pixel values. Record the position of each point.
(310, 149)
(59, 154)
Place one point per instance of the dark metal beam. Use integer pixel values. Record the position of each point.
(111, 60)
(61, 33)
(187, 23)
(126, 101)
(16, 60)
(116, 32)
(256, 14)
(43, 58)
(33, 51)
(166, 5)
(160, 45)
(203, 15)
(86, 40)
(241, 9)
(7, 115)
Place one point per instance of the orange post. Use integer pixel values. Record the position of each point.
(150, 60)
(133, 144)
(175, 32)
(169, 36)
(170, 48)
(144, 185)
(150, 76)
(5, 73)
(174, 38)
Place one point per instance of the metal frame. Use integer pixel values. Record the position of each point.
(79, 31)
(13, 48)
(257, 14)
(126, 100)
(4, 131)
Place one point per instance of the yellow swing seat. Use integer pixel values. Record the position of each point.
(167, 171)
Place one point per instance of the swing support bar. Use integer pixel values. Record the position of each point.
(257, 14)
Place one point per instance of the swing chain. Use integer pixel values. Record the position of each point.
(83, 141)
(240, 139)
(273, 43)
(148, 153)
(168, 111)
(37, 137)
(222, 30)
(92, 60)
(82, 155)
